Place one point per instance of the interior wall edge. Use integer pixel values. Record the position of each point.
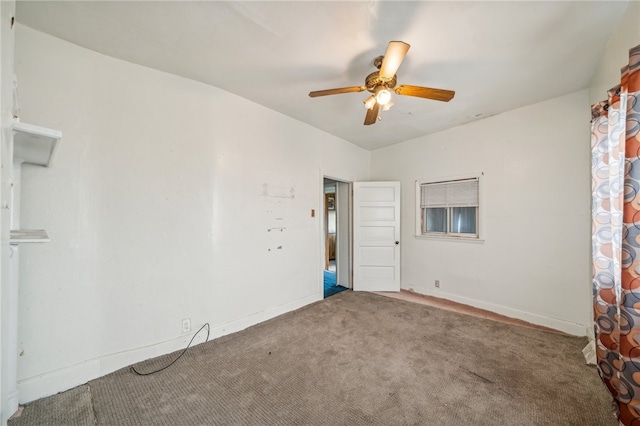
(607, 73)
(557, 324)
(8, 292)
(53, 382)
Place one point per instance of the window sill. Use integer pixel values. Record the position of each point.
(443, 238)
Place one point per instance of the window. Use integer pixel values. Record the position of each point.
(448, 208)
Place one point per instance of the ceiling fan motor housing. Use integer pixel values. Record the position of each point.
(373, 80)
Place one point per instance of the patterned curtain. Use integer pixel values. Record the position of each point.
(615, 162)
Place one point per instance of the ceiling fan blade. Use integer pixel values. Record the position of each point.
(351, 89)
(426, 92)
(393, 58)
(372, 115)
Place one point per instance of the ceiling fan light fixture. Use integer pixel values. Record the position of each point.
(382, 82)
(370, 102)
(383, 96)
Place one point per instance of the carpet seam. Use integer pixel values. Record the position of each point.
(93, 408)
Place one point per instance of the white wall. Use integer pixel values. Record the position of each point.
(535, 261)
(158, 203)
(616, 54)
(8, 394)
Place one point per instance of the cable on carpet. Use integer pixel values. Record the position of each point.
(133, 369)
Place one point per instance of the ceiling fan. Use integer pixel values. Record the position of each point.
(381, 83)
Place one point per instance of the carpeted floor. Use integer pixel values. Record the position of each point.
(352, 359)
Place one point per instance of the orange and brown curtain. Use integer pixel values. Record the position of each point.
(615, 163)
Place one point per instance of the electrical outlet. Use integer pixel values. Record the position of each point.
(186, 325)
(437, 283)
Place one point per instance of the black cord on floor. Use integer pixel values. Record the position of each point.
(179, 356)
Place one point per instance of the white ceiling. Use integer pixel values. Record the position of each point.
(496, 55)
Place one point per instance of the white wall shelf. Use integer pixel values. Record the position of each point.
(31, 145)
(34, 144)
(28, 236)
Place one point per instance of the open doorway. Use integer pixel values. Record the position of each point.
(337, 237)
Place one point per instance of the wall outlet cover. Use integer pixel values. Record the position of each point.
(186, 325)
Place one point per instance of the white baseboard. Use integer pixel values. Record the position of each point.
(568, 327)
(53, 382)
(12, 404)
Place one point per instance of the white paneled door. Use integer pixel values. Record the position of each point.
(376, 236)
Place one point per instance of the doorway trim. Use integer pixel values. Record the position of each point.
(322, 220)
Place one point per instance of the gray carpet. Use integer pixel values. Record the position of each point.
(72, 407)
(352, 359)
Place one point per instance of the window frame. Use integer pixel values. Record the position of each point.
(450, 236)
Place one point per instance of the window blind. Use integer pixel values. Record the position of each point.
(462, 193)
